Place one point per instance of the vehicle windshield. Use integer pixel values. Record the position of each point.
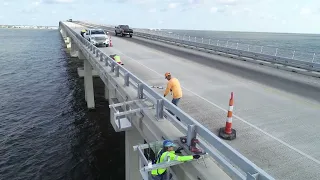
(97, 32)
(124, 26)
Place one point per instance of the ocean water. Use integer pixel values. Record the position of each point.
(46, 131)
(304, 47)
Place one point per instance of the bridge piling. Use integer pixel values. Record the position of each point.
(132, 137)
(106, 93)
(88, 84)
(68, 42)
(74, 50)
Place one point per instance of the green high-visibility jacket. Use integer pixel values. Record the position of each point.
(83, 30)
(117, 59)
(169, 156)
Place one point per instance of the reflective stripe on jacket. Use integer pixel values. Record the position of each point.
(169, 156)
(174, 85)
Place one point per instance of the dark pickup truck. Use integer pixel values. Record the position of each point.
(123, 30)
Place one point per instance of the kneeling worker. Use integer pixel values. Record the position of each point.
(167, 154)
(116, 58)
(82, 32)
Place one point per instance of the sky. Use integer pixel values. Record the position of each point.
(296, 16)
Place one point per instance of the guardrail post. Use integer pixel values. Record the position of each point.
(276, 52)
(293, 54)
(189, 38)
(159, 109)
(117, 71)
(202, 40)
(209, 41)
(106, 63)
(237, 45)
(217, 42)
(97, 53)
(112, 67)
(191, 134)
(140, 91)
(227, 43)
(91, 48)
(126, 79)
(101, 56)
(94, 50)
(195, 39)
(261, 49)
(248, 47)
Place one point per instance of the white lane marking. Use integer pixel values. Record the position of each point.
(221, 108)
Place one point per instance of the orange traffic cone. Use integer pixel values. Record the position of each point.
(110, 42)
(227, 132)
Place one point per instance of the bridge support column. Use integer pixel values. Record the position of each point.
(88, 84)
(74, 49)
(63, 33)
(68, 42)
(106, 93)
(80, 55)
(132, 138)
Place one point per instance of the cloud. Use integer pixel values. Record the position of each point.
(213, 9)
(36, 3)
(152, 10)
(163, 10)
(228, 2)
(29, 10)
(173, 5)
(305, 11)
(57, 1)
(133, 1)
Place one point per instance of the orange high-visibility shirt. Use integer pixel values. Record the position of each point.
(174, 85)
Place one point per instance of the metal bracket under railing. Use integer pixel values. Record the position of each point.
(122, 118)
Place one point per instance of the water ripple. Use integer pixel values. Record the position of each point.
(46, 131)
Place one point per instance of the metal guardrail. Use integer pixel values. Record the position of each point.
(267, 50)
(277, 57)
(298, 59)
(233, 163)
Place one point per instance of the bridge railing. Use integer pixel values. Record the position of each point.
(268, 50)
(233, 163)
(295, 58)
(298, 59)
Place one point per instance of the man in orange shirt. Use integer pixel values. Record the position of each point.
(173, 85)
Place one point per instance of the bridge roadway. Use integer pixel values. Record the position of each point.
(275, 113)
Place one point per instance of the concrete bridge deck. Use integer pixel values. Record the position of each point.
(275, 112)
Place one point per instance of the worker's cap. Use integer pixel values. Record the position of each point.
(166, 74)
(169, 144)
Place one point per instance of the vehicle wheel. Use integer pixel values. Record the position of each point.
(116, 33)
(89, 40)
(107, 45)
(131, 36)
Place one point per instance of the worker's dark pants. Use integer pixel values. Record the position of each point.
(175, 102)
(163, 176)
(82, 34)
